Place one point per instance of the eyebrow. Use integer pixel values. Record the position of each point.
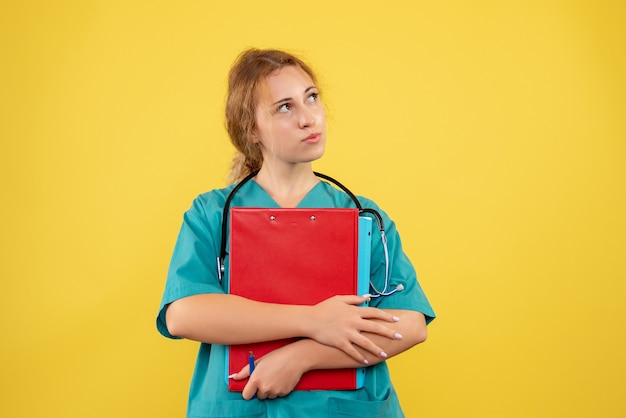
(286, 99)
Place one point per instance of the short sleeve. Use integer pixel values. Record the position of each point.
(401, 272)
(193, 267)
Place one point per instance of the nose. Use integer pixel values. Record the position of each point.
(306, 118)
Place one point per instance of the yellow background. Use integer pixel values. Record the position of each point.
(493, 132)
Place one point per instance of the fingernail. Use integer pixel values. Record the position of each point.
(232, 375)
(397, 336)
(365, 361)
(367, 295)
(395, 319)
(383, 354)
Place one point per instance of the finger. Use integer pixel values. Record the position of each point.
(260, 394)
(369, 346)
(350, 349)
(249, 391)
(380, 329)
(241, 374)
(352, 299)
(375, 313)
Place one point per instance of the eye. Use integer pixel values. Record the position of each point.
(312, 97)
(283, 108)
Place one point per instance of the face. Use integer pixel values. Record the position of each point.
(290, 118)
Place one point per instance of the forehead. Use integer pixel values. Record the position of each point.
(285, 82)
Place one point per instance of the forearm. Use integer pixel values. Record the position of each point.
(278, 372)
(230, 319)
(412, 327)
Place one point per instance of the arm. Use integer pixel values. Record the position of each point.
(412, 328)
(230, 319)
(278, 372)
(195, 307)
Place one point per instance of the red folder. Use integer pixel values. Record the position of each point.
(294, 256)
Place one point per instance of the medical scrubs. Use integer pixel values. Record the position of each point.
(193, 270)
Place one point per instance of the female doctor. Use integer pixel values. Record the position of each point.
(276, 120)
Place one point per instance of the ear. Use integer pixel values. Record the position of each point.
(254, 137)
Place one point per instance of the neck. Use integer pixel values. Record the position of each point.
(287, 185)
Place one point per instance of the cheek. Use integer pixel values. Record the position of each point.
(321, 115)
(264, 131)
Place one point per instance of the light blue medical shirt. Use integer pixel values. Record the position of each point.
(193, 270)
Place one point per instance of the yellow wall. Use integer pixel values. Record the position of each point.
(493, 132)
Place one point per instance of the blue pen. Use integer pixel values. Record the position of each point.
(251, 365)
(251, 362)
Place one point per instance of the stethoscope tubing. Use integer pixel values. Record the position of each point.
(379, 220)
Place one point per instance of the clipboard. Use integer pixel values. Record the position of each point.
(297, 256)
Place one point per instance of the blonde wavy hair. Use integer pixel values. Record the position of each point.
(247, 74)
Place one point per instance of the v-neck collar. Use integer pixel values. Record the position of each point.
(269, 202)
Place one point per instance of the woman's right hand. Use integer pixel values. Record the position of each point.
(340, 323)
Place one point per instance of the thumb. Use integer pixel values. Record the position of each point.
(353, 299)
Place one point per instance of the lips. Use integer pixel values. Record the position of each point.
(312, 139)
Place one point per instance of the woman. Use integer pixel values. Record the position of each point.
(276, 120)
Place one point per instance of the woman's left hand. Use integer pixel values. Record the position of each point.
(275, 375)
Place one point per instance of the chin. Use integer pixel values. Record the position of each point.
(317, 156)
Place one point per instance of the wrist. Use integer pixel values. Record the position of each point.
(303, 354)
(304, 319)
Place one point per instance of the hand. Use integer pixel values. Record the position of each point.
(275, 375)
(339, 323)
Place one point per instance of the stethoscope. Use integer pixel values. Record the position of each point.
(379, 221)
